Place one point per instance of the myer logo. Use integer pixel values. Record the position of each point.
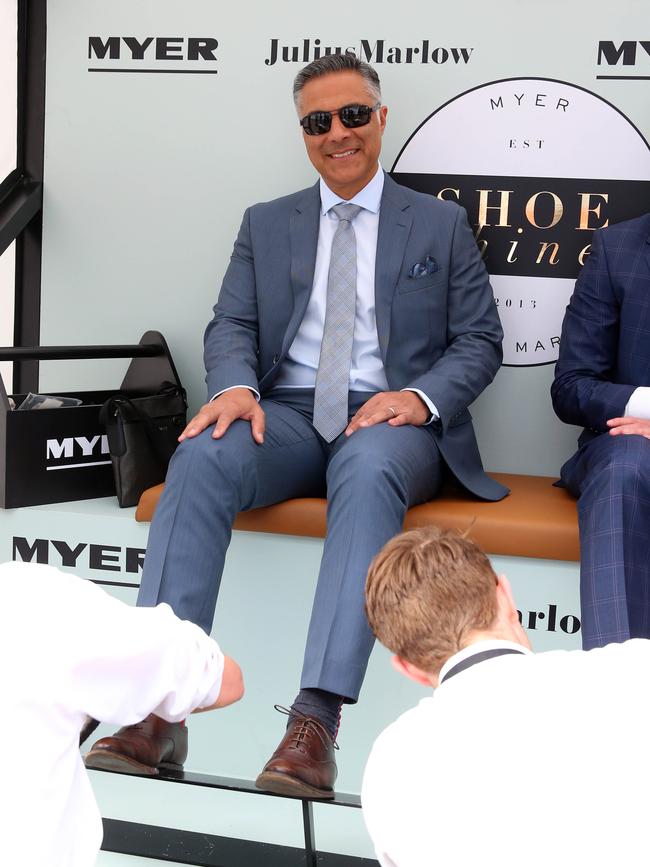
(153, 53)
(536, 176)
(372, 51)
(625, 54)
(103, 558)
(74, 452)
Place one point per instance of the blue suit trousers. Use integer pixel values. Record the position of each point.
(611, 477)
(370, 480)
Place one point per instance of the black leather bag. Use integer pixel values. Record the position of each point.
(142, 436)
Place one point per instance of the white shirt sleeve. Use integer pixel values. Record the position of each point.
(638, 405)
(230, 388)
(122, 663)
(71, 651)
(435, 415)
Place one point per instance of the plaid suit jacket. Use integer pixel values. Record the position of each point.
(605, 342)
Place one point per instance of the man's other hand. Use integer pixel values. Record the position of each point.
(629, 425)
(224, 410)
(395, 407)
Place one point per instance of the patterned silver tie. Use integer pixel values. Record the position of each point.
(333, 376)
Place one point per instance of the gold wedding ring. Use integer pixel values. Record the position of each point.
(393, 411)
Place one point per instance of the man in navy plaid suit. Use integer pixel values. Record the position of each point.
(602, 382)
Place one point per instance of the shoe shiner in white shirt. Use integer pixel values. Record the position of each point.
(72, 654)
(515, 758)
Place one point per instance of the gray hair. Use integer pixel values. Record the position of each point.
(346, 62)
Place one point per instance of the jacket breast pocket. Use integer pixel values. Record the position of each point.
(421, 284)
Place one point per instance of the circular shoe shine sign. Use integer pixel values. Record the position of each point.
(538, 164)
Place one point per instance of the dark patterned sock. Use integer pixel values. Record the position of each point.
(323, 705)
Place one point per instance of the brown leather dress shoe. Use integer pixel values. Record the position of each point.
(303, 765)
(142, 748)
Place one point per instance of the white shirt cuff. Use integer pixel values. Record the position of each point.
(230, 388)
(638, 405)
(435, 415)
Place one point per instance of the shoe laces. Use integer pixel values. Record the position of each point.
(305, 725)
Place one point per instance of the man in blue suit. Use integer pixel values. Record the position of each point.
(602, 382)
(354, 327)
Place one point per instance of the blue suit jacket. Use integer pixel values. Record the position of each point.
(605, 343)
(439, 332)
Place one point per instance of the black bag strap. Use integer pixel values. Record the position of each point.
(108, 414)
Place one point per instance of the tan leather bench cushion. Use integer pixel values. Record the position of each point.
(535, 520)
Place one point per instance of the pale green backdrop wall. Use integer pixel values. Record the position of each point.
(147, 175)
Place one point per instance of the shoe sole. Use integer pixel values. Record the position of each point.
(281, 784)
(104, 760)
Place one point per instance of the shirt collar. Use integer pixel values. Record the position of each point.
(478, 647)
(369, 197)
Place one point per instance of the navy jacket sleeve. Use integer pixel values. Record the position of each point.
(585, 391)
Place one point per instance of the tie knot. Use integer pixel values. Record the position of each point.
(346, 211)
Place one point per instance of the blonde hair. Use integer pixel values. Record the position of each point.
(426, 590)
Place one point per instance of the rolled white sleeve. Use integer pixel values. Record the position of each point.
(129, 662)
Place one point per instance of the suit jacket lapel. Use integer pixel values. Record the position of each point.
(395, 222)
(303, 235)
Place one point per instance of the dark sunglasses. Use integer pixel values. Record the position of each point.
(351, 116)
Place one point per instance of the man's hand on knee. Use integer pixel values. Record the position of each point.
(224, 410)
(395, 407)
(629, 425)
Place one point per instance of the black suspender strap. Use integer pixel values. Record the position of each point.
(478, 657)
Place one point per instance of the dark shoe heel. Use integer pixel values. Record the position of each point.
(170, 766)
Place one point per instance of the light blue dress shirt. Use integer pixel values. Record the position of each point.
(299, 368)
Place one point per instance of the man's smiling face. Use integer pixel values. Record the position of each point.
(346, 159)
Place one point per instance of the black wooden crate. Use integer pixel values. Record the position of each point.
(57, 455)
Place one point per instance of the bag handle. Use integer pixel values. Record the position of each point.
(56, 353)
(151, 362)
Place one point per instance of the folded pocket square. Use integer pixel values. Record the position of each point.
(423, 269)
